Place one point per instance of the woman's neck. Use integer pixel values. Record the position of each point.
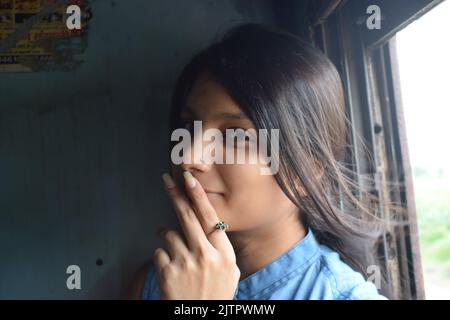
(255, 249)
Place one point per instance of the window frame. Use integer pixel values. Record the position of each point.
(367, 62)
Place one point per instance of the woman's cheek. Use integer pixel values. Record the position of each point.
(247, 189)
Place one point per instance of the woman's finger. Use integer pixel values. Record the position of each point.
(206, 213)
(190, 225)
(175, 243)
(160, 259)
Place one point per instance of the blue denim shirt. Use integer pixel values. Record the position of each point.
(308, 270)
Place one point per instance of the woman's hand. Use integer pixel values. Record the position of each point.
(204, 267)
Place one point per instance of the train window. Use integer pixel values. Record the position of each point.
(424, 70)
(367, 57)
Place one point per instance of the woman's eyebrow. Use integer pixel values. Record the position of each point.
(231, 115)
(223, 115)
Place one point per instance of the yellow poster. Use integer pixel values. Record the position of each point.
(34, 35)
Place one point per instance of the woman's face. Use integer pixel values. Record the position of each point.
(241, 195)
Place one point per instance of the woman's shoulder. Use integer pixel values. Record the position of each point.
(343, 282)
(150, 287)
(134, 290)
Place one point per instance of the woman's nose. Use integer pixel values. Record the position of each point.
(194, 160)
(197, 165)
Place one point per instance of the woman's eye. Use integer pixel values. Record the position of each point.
(233, 138)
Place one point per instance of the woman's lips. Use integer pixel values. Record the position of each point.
(215, 194)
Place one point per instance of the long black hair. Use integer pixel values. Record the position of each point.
(282, 82)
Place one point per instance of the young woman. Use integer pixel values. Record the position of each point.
(297, 234)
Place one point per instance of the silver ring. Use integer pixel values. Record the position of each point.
(221, 226)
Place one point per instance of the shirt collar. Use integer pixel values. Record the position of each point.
(297, 257)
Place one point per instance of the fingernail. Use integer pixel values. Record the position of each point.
(168, 181)
(189, 179)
